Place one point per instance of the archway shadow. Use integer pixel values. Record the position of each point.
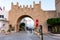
(22, 27)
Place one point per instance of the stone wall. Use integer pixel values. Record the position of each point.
(36, 13)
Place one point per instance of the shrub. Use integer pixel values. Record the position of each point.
(53, 21)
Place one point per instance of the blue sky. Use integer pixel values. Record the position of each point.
(46, 4)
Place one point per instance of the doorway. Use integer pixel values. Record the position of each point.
(54, 29)
(22, 27)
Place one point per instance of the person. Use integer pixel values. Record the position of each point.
(26, 28)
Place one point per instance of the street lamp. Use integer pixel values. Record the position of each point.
(41, 32)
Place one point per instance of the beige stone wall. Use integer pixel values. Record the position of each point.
(57, 5)
(57, 1)
(36, 13)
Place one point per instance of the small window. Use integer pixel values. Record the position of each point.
(1, 16)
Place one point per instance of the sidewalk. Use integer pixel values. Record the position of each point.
(54, 36)
(57, 36)
(36, 33)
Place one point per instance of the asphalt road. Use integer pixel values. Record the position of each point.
(20, 36)
(27, 36)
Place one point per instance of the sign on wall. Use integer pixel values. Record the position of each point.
(37, 22)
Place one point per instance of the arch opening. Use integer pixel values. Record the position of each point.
(25, 21)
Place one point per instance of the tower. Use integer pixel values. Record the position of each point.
(57, 4)
(57, 1)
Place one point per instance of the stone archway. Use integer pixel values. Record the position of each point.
(19, 20)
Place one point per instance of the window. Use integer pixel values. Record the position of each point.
(1, 16)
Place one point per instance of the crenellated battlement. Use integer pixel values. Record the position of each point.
(26, 7)
(57, 1)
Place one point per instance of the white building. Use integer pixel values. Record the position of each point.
(3, 20)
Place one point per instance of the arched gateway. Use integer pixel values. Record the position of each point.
(23, 16)
(21, 24)
(36, 13)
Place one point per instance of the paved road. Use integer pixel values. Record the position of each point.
(27, 36)
(20, 36)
